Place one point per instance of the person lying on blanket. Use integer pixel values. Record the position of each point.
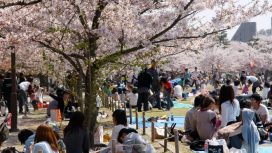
(133, 142)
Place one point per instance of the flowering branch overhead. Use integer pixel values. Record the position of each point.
(18, 3)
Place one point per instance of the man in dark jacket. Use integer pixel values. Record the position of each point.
(155, 83)
(144, 84)
(6, 89)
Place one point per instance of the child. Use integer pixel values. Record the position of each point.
(132, 96)
(245, 89)
(133, 142)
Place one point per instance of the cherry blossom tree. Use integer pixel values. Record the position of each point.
(90, 36)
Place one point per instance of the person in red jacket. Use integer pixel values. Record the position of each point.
(167, 91)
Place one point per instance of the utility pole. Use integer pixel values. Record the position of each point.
(13, 91)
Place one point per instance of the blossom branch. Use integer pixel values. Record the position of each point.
(58, 51)
(174, 23)
(18, 3)
(190, 37)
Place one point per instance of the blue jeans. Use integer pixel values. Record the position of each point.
(167, 96)
(22, 98)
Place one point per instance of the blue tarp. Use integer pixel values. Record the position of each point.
(179, 120)
(181, 105)
(265, 149)
(177, 80)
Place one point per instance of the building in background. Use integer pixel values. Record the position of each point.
(246, 32)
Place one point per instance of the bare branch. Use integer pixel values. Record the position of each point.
(189, 37)
(176, 53)
(175, 22)
(58, 51)
(98, 12)
(188, 4)
(115, 55)
(77, 56)
(18, 3)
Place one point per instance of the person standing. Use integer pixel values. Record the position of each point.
(187, 77)
(155, 86)
(144, 84)
(6, 90)
(167, 92)
(24, 91)
(21, 78)
(62, 98)
(195, 76)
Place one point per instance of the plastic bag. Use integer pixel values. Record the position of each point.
(217, 146)
(98, 136)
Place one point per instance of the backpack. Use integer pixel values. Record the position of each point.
(197, 145)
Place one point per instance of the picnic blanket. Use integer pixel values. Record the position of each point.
(182, 105)
(179, 120)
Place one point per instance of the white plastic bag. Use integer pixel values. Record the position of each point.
(98, 136)
(218, 142)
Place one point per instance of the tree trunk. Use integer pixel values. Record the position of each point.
(79, 92)
(90, 102)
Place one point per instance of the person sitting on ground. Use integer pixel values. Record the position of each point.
(259, 108)
(45, 140)
(250, 133)
(133, 142)
(132, 96)
(119, 119)
(190, 123)
(207, 123)
(245, 104)
(190, 120)
(228, 82)
(76, 137)
(177, 91)
(230, 108)
(26, 137)
(61, 144)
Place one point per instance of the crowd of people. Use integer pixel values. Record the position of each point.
(47, 138)
(214, 111)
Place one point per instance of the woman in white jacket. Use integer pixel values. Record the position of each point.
(133, 142)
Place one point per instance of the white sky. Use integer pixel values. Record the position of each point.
(262, 21)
